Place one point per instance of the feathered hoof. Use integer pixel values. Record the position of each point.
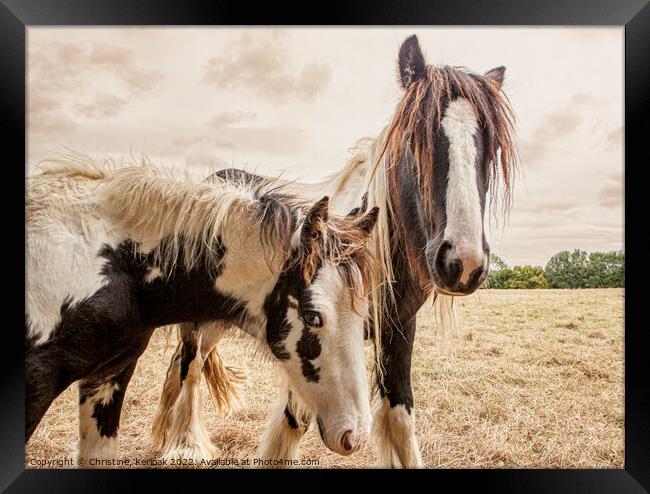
(190, 456)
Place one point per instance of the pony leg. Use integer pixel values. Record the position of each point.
(394, 423)
(223, 381)
(281, 439)
(42, 383)
(170, 392)
(180, 430)
(100, 406)
(183, 355)
(395, 431)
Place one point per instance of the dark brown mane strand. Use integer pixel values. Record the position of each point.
(419, 115)
(277, 214)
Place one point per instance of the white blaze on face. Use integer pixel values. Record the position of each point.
(340, 396)
(464, 228)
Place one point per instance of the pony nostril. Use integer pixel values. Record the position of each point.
(454, 271)
(346, 440)
(449, 269)
(441, 256)
(476, 275)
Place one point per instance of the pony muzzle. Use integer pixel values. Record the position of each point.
(456, 271)
(345, 439)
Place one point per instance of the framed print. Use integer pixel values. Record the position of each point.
(389, 238)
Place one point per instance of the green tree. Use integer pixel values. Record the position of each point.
(499, 273)
(503, 276)
(497, 263)
(606, 270)
(527, 277)
(499, 278)
(567, 269)
(579, 269)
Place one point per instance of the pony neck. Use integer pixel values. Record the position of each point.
(203, 239)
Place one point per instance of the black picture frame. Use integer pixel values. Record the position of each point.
(17, 15)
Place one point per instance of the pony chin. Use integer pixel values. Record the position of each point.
(440, 291)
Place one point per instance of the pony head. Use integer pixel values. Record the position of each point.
(449, 141)
(315, 322)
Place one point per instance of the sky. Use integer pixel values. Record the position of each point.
(293, 101)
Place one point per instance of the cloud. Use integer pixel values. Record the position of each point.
(236, 131)
(257, 139)
(553, 205)
(259, 64)
(554, 127)
(104, 105)
(268, 140)
(615, 138)
(51, 123)
(59, 65)
(611, 195)
(92, 80)
(42, 103)
(228, 118)
(120, 60)
(203, 142)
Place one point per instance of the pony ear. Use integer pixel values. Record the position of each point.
(316, 215)
(496, 74)
(411, 63)
(367, 222)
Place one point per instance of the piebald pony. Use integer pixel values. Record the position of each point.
(113, 254)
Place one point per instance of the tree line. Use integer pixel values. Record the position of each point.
(577, 269)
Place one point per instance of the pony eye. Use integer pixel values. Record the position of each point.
(312, 319)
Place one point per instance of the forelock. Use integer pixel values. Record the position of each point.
(345, 246)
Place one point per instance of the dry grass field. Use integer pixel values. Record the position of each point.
(534, 380)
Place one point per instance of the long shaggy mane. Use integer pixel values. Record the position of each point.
(418, 118)
(179, 222)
